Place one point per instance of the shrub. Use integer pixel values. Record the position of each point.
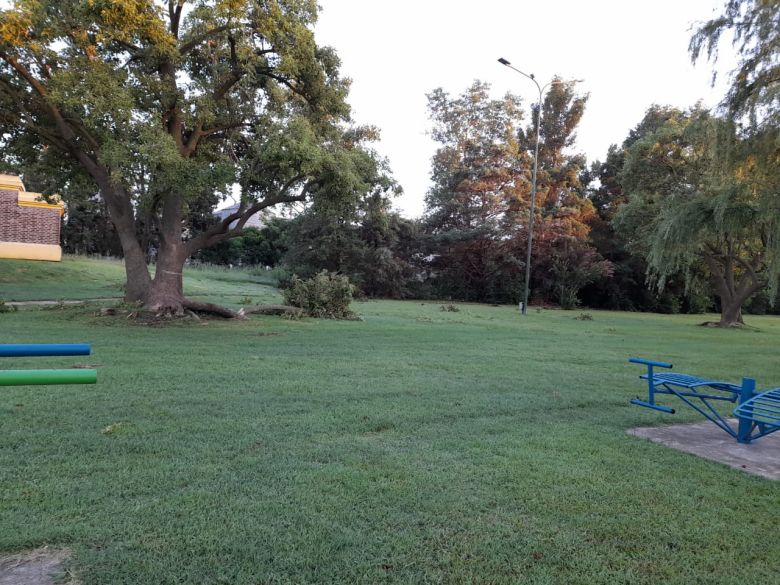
(6, 308)
(326, 294)
(282, 276)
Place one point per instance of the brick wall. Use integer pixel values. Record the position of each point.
(27, 225)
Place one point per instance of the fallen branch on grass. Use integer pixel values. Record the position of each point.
(271, 310)
(212, 309)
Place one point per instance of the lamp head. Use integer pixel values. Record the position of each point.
(503, 61)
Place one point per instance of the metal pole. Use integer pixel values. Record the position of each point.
(533, 180)
(533, 202)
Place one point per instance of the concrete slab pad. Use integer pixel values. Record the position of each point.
(706, 440)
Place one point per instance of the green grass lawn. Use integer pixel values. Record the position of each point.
(416, 446)
(86, 278)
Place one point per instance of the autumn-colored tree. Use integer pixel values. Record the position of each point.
(478, 207)
(165, 105)
(480, 184)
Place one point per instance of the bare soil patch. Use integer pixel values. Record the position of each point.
(41, 566)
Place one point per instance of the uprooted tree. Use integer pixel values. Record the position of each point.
(164, 107)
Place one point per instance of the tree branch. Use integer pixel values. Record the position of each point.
(222, 230)
(716, 272)
(131, 48)
(271, 310)
(174, 15)
(194, 42)
(285, 82)
(219, 93)
(213, 309)
(223, 88)
(751, 282)
(67, 133)
(199, 133)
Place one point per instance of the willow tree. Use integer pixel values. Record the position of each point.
(166, 106)
(754, 25)
(699, 201)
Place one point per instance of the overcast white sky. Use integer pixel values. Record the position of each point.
(630, 53)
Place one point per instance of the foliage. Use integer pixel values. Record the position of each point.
(477, 211)
(326, 294)
(476, 180)
(87, 229)
(281, 276)
(755, 84)
(254, 247)
(627, 289)
(372, 245)
(161, 109)
(573, 265)
(700, 194)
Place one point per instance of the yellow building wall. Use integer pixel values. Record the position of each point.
(19, 251)
(28, 251)
(11, 182)
(27, 199)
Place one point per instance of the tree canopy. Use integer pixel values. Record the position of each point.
(164, 106)
(698, 196)
(478, 207)
(755, 29)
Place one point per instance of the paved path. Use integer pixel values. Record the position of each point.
(61, 302)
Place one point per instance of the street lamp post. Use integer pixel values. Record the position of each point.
(541, 89)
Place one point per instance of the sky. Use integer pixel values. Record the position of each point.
(630, 53)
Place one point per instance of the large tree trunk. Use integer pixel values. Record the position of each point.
(731, 312)
(733, 289)
(120, 210)
(166, 291)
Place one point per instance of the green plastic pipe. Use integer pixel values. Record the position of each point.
(38, 377)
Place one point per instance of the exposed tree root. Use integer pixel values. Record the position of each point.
(271, 310)
(721, 325)
(212, 309)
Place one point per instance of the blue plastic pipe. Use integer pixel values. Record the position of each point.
(44, 349)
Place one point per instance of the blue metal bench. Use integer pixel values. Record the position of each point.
(758, 413)
(763, 410)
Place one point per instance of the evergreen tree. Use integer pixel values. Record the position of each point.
(374, 246)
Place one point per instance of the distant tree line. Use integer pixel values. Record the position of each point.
(593, 231)
(682, 216)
